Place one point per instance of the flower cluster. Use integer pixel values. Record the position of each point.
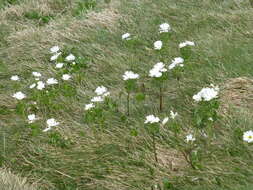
(178, 61)
(152, 119)
(165, 27)
(128, 75)
(101, 92)
(157, 70)
(51, 123)
(206, 94)
(126, 36)
(40, 84)
(158, 45)
(190, 138)
(186, 43)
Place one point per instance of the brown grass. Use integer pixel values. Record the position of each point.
(9, 181)
(238, 93)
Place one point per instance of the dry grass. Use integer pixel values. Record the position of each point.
(9, 181)
(107, 155)
(237, 93)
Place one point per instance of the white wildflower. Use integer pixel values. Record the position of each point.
(175, 62)
(165, 120)
(70, 57)
(206, 94)
(31, 118)
(97, 99)
(47, 129)
(186, 43)
(55, 56)
(54, 49)
(126, 36)
(36, 74)
(52, 122)
(190, 138)
(32, 85)
(40, 85)
(155, 73)
(89, 106)
(59, 65)
(165, 27)
(130, 75)
(106, 94)
(248, 136)
(19, 95)
(158, 45)
(15, 78)
(157, 70)
(100, 90)
(173, 115)
(52, 81)
(152, 119)
(66, 77)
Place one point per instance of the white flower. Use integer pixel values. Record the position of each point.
(52, 122)
(73, 63)
(248, 136)
(130, 75)
(31, 118)
(175, 62)
(126, 36)
(32, 85)
(19, 95)
(155, 73)
(158, 45)
(97, 99)
(106, 94)
(186, 43)
(100, 90)
(54, 49)
(165, 120)
(47, 129)
(89, 106)
(173, 115)
(190, 138)
(51, 81)
(55, 56)
(70, 57)
(206, 94)
(66, 77)
(152, 119)
(15, 78)
(59, 65)
(215, 87)
(40, 85)
(210, 119)
(165, 27)
(157, 70)
(36, 74)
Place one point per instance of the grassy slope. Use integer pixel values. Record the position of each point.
(107, 156)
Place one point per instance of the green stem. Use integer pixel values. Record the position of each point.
(154, 149)
(128, 103)
(161, 99)
(4, 144)
(251, 2)
(186, 155)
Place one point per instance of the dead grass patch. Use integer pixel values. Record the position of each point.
(9, 181)
(238, 93)
(171, 159)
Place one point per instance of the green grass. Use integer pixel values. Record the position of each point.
(114, 151)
